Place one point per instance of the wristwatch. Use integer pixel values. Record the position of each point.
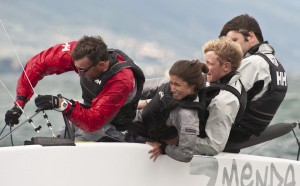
(64, 104)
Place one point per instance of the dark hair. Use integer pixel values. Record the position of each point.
(243, 24)
(91, 46)
(190, 72)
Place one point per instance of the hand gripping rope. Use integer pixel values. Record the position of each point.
(37, 129)
(19, 125)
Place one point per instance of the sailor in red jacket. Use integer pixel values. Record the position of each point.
(111, 84)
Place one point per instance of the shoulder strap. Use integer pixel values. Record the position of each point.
(242, 97)
(217, 86)
(263, 56)
(189, 104)
(114, 70)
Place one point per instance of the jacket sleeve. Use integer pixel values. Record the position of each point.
(187, 123)
(54, 60)
(222, 112)
(107, 103)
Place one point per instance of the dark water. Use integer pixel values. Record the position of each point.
(68, 86)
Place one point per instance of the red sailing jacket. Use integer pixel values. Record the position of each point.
(57, 60)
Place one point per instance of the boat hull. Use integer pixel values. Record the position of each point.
(116, 164)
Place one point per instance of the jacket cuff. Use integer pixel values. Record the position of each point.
(20, 103)
(71, 105)
(163, 147)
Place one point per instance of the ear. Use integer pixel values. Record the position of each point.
(227, 66)
(252, 38)
(101, 63)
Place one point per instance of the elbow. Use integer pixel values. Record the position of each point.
(185, 159)
(90, 129)
(206, 150)
(87, 126)
(93, 127)
(188, 158)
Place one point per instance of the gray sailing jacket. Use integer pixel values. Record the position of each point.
(223, 110)
(184, 120)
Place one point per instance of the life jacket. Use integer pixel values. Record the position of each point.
(211, 91)
(90, 89)
(156, 113)
(259, 113)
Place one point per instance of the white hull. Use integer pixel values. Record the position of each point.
(118, 164)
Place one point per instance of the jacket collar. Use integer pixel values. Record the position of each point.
(225, 79)
(254, 49)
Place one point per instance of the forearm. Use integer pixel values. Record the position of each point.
(205, 147)
(187, 124)
(183, 154)
(184, 150)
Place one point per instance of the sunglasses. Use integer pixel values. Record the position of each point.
(84, 70)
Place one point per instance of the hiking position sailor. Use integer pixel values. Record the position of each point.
(111, 86)
(264, 78)
(225, 95)
(171, 117)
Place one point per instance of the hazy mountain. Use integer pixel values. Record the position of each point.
(154, 33)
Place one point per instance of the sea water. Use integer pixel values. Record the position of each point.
(68, 85)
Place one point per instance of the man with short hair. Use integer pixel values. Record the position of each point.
(262, 75)
(225, 95)
(111, 86)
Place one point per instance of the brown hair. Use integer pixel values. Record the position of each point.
(190, 72)
(243, 24)
(91, 46)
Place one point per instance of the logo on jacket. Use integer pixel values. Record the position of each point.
(161, 94)
(274, 61)
(281, 78)
(98, 81)
(66, 47)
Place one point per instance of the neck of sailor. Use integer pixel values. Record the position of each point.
(226, 70)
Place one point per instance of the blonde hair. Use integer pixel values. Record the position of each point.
(226, 50)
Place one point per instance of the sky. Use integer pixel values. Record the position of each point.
(154, 33)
